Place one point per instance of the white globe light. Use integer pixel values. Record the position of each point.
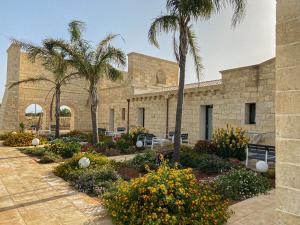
(84, 162)
(262, 166)
(35, 142)
(14, 132)
(139, 144)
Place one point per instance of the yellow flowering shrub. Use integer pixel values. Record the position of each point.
(166, 196)
(21, 139)
(135, 131)
(231, 142)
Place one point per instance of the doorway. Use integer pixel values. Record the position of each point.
(141, 117)
(208, 122)
(111, 120)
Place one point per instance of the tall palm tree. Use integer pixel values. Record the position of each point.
(92, 63)
(54, 61)
(178, 20)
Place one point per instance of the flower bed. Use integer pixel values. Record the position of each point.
(20, 139)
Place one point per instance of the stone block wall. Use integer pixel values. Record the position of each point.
(288, 111)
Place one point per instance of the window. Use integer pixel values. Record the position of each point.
(123, 113)
(141, 117)
(250, 113)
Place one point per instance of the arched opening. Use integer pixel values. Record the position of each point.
(34, 117)
(66, 119)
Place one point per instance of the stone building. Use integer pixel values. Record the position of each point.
(244, 97)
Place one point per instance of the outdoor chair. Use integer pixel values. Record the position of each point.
(260, 152)
(146, 139)
(121, 130)
(170, 135)
(184, 138)
(101, 131)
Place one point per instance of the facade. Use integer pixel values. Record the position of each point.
(244, 97)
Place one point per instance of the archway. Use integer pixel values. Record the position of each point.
(66, 118)
(34, 117)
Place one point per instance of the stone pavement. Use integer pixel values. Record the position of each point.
(259, 210)
(31, 195)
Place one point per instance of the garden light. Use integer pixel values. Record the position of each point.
(84, 162)
(35, 142)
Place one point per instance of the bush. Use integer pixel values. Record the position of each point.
(34, 151)
(66, 150)
(4, 136)
(94, 181)
(166, 196)
(206, 163)
(122, 144)
(49, 157)
(230, 143)
(241, 184)
(135, 131)
(141, 160)
(68, 167)
(205, 146)
(21, 139)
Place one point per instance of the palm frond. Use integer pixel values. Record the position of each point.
(31, 80)
(175, 47)
(75, 29)
(113, 73)
(195, 51)
(164, 23)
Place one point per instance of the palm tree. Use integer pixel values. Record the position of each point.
(54, 61)
(178, 20)
(92, 63)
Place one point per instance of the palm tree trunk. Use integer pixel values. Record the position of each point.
(180, 95)
(57, 111)
(94, 107)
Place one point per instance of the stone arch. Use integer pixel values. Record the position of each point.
(161, 77)
(34, 116)
(67, 115)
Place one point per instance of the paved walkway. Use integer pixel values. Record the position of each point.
(259, 210)
(31, 195)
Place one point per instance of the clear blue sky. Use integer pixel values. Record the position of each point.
(222, 47)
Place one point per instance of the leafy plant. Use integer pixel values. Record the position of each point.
(64, 149)
(148, 158)
(205, 146)
(94, 181)
(166, 196)
(66, 169)
(34, 151)
(231, 142)
(241, 184)
(205, 163)
(135, 131)
(49, 157)
(20, 139)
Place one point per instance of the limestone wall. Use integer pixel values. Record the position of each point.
(253, 84)
(288, 111)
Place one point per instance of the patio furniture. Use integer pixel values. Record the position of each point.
(159, 141)
(146, 139)
(260, 152)
(184, 138)
(109, 133)
(170, 135)
(101, 131)
(121, 130)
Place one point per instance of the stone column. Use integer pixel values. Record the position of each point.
(288, 111)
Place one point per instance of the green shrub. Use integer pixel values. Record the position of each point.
(49, 157)
(66, 169)
(205, 146)
(94, 181)
(34, 151)
(206, 163)
(65, 150)
(166, 196)
(141, 160)
(19, 139)
(241, 184)
(230, 143)
(122, 144)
